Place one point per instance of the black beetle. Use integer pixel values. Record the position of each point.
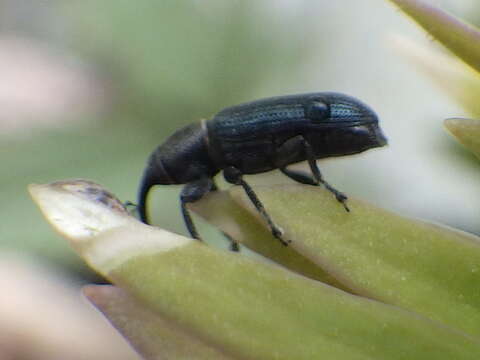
(260, 136)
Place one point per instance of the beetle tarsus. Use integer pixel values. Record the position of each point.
(277, 233)
(234, 245)
(341, 197)
(131, 207)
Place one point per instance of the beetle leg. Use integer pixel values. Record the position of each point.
(300, 176)
(131, 207)
(234, 245)
(193, 192)
(317, 175)
(304, 178)
(234, 176)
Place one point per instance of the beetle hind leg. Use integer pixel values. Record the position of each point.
(193, 192)
(233, 244)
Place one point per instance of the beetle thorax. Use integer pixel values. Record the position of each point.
(184, 155)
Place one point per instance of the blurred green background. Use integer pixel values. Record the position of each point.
(92, 87)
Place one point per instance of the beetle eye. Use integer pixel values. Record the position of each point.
(318, 111)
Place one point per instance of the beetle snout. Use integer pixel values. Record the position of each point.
(154, 174)
(381, 139)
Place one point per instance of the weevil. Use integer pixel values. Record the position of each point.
(257, 137)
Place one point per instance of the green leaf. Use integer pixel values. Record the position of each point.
(149, 333)
(260, 311)
(461, 38)
(241, 306)
(221, 210)
(422, 267)
(467, 131)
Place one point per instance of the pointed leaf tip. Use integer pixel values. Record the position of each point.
(79, 208)
(462, 38)
(97, 225)
(466, 131)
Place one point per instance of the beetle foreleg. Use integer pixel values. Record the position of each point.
(299, 176)
(317, 175)
(193, 192)
(234, 176)
(316, 178)
(307, 179)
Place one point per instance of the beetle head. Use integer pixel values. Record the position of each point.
(341, 125)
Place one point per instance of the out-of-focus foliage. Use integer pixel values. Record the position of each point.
(177, 61)
(461, 38)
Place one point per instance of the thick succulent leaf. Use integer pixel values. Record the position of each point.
(151, 334)
(260, 311)
(461, 38)
(467, 131)
(422, 267)
(244, 307)
(221, 210)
